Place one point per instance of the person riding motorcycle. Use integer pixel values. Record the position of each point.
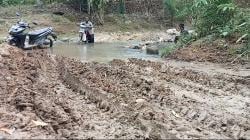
(86, 31)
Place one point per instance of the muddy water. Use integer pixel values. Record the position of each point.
(101, 52)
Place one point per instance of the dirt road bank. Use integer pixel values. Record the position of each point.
(44, 96)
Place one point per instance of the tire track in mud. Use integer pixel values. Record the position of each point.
(123, 99)
(40, 95)
(214, 119)
(232, 120)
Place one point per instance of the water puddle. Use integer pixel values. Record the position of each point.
(101, 52)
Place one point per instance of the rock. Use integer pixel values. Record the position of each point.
(171, 39)
(192, 32)
(152, 50)
(64, 133)
(143, 47)
(140, 101)
(160, 39)
(172, 31)
(148, 42)
(128, 22)
(127, 33)
(123, 104)
(39, 123)
(4, 53)
(182, 128)
(135, 47)
(65, 39)
(194, 134)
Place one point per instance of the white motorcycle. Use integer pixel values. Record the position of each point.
(86, 34)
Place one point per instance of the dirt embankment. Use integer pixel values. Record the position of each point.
(45, 96)
(218, 51)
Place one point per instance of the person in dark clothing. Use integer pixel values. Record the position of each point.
(182, 31)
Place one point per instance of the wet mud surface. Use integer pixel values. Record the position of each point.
(46, 96)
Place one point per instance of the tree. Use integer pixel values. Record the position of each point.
(170, 7)
(98, 9)
(122, 7)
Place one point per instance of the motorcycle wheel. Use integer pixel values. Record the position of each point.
(81, 36)
(11, 42)
(92, 38)
(50, 42)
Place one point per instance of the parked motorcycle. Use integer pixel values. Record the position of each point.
(86, 34)
(18, 36)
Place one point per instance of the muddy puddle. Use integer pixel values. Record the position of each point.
(101, 52)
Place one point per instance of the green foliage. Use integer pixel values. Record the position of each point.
(220, 18)
(122, 7)
(170, 7)
(98, 7)
(167, 50)
(183, 9)
(182, 42)
(210, 15)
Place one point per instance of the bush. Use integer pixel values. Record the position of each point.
(218, 18)
(182, 42)
(167, 50)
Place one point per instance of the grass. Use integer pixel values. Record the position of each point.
(167, 50)
(10, 11)
(128, 23)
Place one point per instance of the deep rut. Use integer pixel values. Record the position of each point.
(122, 99)
(186, 103)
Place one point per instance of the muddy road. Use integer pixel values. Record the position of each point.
(46, 96)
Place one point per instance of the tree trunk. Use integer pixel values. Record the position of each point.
(89, 6)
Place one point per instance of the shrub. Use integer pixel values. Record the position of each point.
(167, 50)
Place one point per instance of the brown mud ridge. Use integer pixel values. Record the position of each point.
(45, 96)
(214, 52)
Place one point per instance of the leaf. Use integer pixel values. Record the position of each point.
(242, 37)
(224, 9)
(242, 24)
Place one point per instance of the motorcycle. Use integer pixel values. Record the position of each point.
(18, 36)
(86, 34)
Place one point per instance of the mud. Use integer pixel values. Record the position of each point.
(46, 96)
(217, 51)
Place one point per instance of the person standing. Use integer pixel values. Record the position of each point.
(183, 32)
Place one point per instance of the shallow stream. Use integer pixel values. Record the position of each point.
(101, 52)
